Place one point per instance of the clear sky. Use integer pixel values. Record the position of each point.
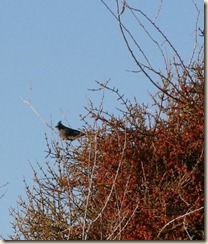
(59, 48)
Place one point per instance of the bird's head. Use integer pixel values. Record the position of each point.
(59, 124)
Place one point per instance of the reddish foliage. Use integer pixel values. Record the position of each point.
(144, 180)
(140, 177)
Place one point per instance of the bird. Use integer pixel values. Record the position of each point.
(68, 133)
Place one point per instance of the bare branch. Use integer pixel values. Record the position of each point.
(179, 217)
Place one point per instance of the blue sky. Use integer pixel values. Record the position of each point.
(59, 48)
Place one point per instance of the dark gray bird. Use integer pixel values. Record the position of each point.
(68, 133)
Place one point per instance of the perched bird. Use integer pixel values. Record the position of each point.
(68, 133)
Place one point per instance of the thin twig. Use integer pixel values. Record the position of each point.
(179, 217)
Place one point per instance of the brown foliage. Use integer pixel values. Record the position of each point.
(148, 177)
